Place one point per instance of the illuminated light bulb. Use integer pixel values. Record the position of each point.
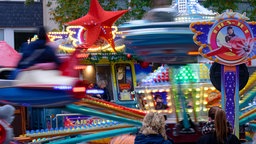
(205, 109)
(167, 90)
(205, 95)
(197, 89)
(213, 88)
(149, 97)
(197, 103)
(206, 88)
(190, 110)
(205, 102)
(197, 96)
(197, 109)
(189, 89)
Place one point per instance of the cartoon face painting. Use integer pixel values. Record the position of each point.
(230, 41)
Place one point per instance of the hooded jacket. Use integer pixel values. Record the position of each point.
(151, 139)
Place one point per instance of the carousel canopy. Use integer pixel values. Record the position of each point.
(163, 35)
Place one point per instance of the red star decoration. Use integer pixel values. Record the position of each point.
(98, 23)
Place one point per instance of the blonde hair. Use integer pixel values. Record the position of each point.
(221, 127)
(153, 123)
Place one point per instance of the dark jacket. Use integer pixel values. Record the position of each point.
(150, 139)
(105, 96)
(211, 139)
(37, 52)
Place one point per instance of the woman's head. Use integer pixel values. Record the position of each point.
(221, 127)
(153, 123)
(212, 111)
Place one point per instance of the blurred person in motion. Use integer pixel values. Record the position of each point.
(37, 55)
(221, 135)
(39, 52)
(153, 130)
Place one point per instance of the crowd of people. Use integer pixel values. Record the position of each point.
(216, 131)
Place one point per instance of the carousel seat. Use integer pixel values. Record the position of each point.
(43, 78)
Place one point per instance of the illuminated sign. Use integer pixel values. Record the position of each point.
(75, 35)
(228, 39)
(94, 91)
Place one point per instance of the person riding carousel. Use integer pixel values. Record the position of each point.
(40, 65)
(38, 54)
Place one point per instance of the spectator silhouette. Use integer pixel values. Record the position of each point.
(103, 86)
(209, 127)
(152, 130)
(221, 134)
